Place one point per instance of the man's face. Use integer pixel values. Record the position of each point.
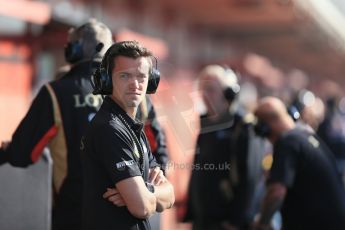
(213, 95)
(130, 78)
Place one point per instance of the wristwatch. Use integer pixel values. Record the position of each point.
(150, 187)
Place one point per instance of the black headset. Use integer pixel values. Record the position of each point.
(231, 92)
(262, 129)
(73, 52)
(101, 80)
(297, 106)
(294, 111)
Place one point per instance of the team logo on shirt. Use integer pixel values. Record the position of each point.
(313, 141)
(81, 101)
(121, 165)
(82, 145)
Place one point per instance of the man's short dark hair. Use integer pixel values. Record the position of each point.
(131, 49)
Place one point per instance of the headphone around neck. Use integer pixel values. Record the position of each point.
(101, 80)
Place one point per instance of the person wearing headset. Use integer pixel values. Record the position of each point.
(58, 116)
(220, 194)
(303, 181)
(118, 165)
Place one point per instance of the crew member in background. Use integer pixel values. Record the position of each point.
(227, 162)
(332, 131)
(303, 181)
(58, 116)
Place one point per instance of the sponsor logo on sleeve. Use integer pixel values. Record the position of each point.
(121, 165)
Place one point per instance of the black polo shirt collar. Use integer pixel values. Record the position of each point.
(110, 104)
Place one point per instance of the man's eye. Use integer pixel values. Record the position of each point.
(124, 75)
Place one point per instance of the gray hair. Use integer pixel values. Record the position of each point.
(90, 35)
(226, 77)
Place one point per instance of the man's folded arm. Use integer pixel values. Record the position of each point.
(165, 196)
(140, 202)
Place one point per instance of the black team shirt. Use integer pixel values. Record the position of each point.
(41, 127)
(110, 155)
(315, 196)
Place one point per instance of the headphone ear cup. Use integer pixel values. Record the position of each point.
(293, 112)
(262, 129)
(96, 82)
(230, 93)
(107, 83)
(154, 78)
(73, 52)
(101, 82)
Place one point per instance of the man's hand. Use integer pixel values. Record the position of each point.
(164, 190)
(156, 176)
(114, 197)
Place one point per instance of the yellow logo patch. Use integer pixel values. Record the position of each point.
(313, 141)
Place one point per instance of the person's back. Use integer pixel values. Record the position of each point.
(315, 199)
(58, 117)
(303, 181)
(77, 107)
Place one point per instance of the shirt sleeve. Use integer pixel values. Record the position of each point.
(116, 153)
(33, 133)
(284, 162)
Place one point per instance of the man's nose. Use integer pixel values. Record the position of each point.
(134, 83)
